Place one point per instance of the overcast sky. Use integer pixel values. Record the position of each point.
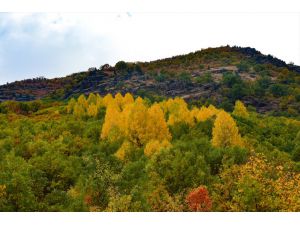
(58, 44)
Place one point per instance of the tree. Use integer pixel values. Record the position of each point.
(198, 200)
(82, 101)
(121, 66)
(111, 128)
(157, 128)
(123, 150)
(279, 90)
(243, 66)
(99, 101)
(71, 105)
(128, 99)
(258, 185)
(240, 110)
(137, 123)
(154, 146)
(119, 100)
(296, 150)
(108, 99)
(178, 112)
(92, 98)
(79, 110)
(92, 110)
(225, 131)
(205, 113)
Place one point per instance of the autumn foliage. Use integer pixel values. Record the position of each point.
(225, 131)
(199, 200)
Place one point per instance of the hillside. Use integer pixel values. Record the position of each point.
(214, 130)
(216, 75)
(120, 153)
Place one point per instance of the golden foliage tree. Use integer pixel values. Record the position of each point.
(225, 131)
(92, 110)
(137, 123)
(70, 106)
(178, 112)
(92, 98)
(206, 113)
(128, 99)
(108, 99)
(82, 101)
(119, 100)
(240, 110)
(154, 146)
(99, 101)
(111, 127)
(157, 127)
(123, 150)
(79, 110)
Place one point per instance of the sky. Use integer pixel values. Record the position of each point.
(58, 44)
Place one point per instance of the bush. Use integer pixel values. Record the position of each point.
(279, 90)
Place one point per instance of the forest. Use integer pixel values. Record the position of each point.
(130, 153)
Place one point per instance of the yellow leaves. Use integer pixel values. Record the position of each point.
(134, 121)
(178, 112)
(154, 146)
(225, 131)
(128, 99)
(111, 127)
(82, 101)
(92, 99)
(78, 111)
(240, 110)
(137, 123)
(269, 187)
(71, 105)
(123, 150)
(108, 99)
(99, 101)
(157, 127)
(2, 191)
(92, 110)
(205, 113)
(86, 107)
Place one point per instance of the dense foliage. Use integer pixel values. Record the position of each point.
(120, 153)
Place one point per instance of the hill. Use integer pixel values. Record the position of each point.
(215, 75)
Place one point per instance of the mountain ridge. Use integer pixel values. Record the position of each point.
(197, 76)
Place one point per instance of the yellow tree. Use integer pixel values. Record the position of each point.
(137, 123)
(225, 131)
(79, 111)
(92, 110)
(99, 101)
(157, 127)
(108, 99)
(240, 110)
(82, 101)
(92, 98)
(119, 100)
(128, 99)
(123, 150)
(206, 112)
(179, 112)
(111, 127)
(154, 146)
(70, 106)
